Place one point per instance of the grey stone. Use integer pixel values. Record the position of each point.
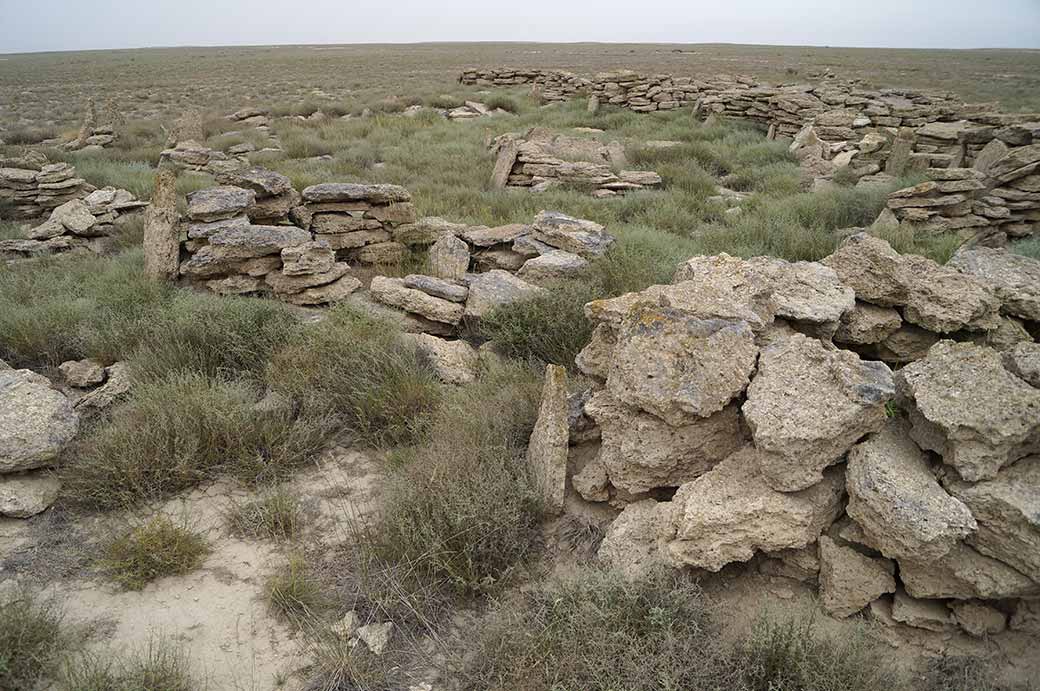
(313, 257)
(584, 238)
(219, 203)
(437, 287)
(1023, 360)
(36, 422)
(285, 285)
(354, 192)
(496, 288)
(965, 574)
(849, 581)
(24, 495)
(75, 216)
(1015, 278)
(867, 324)
(547, 449)
(83, 374)
(394, 292)
(552, 265)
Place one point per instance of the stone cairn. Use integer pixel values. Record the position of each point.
(541, 160)
(748, 413)
(93, 135)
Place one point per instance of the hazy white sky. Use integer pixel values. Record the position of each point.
(35, 25)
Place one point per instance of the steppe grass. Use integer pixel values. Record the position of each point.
(11, 230)
(277, 514)
(460, 506)
(1027, 248)
(155, 549)
(32, 639)
(296, 594)
(357, 371)
(161, 664)
(179, 431)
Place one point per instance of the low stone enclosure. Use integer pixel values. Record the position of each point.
(259, 236)
(749, 413)
(872, 135)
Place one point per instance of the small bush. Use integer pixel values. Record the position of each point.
(296, 593)
(503, 101)
(462, 508)
(356, 369)
(790, 653)
(278, 515)
(182, 430)
(550, 327)
(161, 665)
(31, 640)
(9, 230)
(597, 632)
(154, 550)
(1027, 248)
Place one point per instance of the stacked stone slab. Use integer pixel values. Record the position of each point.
(541, 159)
(737, 417)
(33, 192)
(80, 223)
(480, 268)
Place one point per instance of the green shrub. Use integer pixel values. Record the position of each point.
(31, 639)
(356, 370)
(596, 631)
(461, 508)
(176, 432)
(10, 230)
(154, 550)
(1027, 248)
(278, 515)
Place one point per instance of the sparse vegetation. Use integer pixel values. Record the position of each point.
(32, 640)
(295, 593)
(161, 664)
(278, 514)
(155, 549)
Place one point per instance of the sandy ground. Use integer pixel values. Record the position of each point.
(218, 612)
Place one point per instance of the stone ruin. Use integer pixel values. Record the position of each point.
(94, 134)
(256, 235)
(873, 135)
(79, 215)
(540, 159)
(869, 424)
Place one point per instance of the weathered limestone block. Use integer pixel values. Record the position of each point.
(677, 365)
(346, 224)
(1026, 617)
(200, 231)
(730, 512)
(482, 236)
(1007, 509)
(496, 288)
(437, 287)
(584, 238)
(1023, 360)
(338, 290)
(867, 324)
(595, 358)
(36, 422)
(286, 284)
(23, 495)
(965, 574)
(640, 451)
(895, 498)
(977, 618)
(83, 374)
(263, 182)
(718, 287)
(393, 292)
(449, 258)
(808, 405)
(966, 407)
(591, 482)
(944, 300)
(454, 362)
(236, 284)
(383, 253)
(254, 241)
(922, 614)
(637, 540)
(313, 257)
(118, 383)
(805, 291)
(552, 265)
(908, 343)
(1015, 278)
(849, 581)
(355, 192)
(547, 449)
(218, 203)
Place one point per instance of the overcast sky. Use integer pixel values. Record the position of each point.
(38, 25)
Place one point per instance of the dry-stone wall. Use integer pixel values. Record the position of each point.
(873, 134)
(869, 423)
(79, 215)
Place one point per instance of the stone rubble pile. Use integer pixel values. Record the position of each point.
(34, 191)
(541, 159)
(748, 413)
(93, 135)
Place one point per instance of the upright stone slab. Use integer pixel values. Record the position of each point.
(547, 449)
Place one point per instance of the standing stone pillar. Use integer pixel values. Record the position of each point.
(161, 238)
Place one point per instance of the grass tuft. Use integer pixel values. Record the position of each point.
(31, 639)
(154, 550)
(296, 594)
(277, 515)
(160, 665)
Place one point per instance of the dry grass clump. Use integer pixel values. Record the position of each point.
(153, 550)
(181, 430)
(160, 665)
(278, 514)
(1027, 248)
(355, 369)
(461, 507)
(296, 594)
(31, 639)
